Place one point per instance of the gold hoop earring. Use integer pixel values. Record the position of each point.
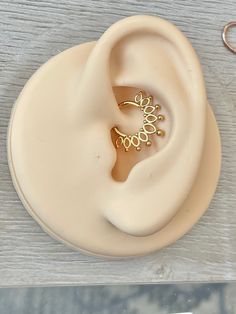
(145, 104)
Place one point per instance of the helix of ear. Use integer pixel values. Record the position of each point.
(150, 120)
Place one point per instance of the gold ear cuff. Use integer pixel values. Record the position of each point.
(150, 118)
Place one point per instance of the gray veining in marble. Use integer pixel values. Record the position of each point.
(149, 299)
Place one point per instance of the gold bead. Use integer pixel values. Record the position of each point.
(149, 143)
(160, 132)
(126, 149)
(144, 121)
(158, 107)
(138, 148)
(161, 117)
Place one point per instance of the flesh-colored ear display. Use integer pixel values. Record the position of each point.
(66, 169)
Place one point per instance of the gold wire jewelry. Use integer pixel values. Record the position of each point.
(224, 36)
(148, 128)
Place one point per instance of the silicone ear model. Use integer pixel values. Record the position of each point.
(65, 166)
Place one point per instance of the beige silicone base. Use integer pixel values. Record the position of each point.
(62, 190)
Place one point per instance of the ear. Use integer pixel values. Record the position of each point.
(151, 54)
(65, 167)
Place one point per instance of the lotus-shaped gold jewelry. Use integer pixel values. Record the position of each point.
(150, 119)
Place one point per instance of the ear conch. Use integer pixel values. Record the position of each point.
(65, 166)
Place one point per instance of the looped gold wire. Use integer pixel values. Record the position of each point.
(148, 128)
(224, 36)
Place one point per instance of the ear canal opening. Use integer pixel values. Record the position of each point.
(133, 138)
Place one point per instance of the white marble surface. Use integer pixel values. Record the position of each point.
(135, 299)
(33, 31)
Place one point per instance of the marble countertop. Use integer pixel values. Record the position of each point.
(135, 299)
